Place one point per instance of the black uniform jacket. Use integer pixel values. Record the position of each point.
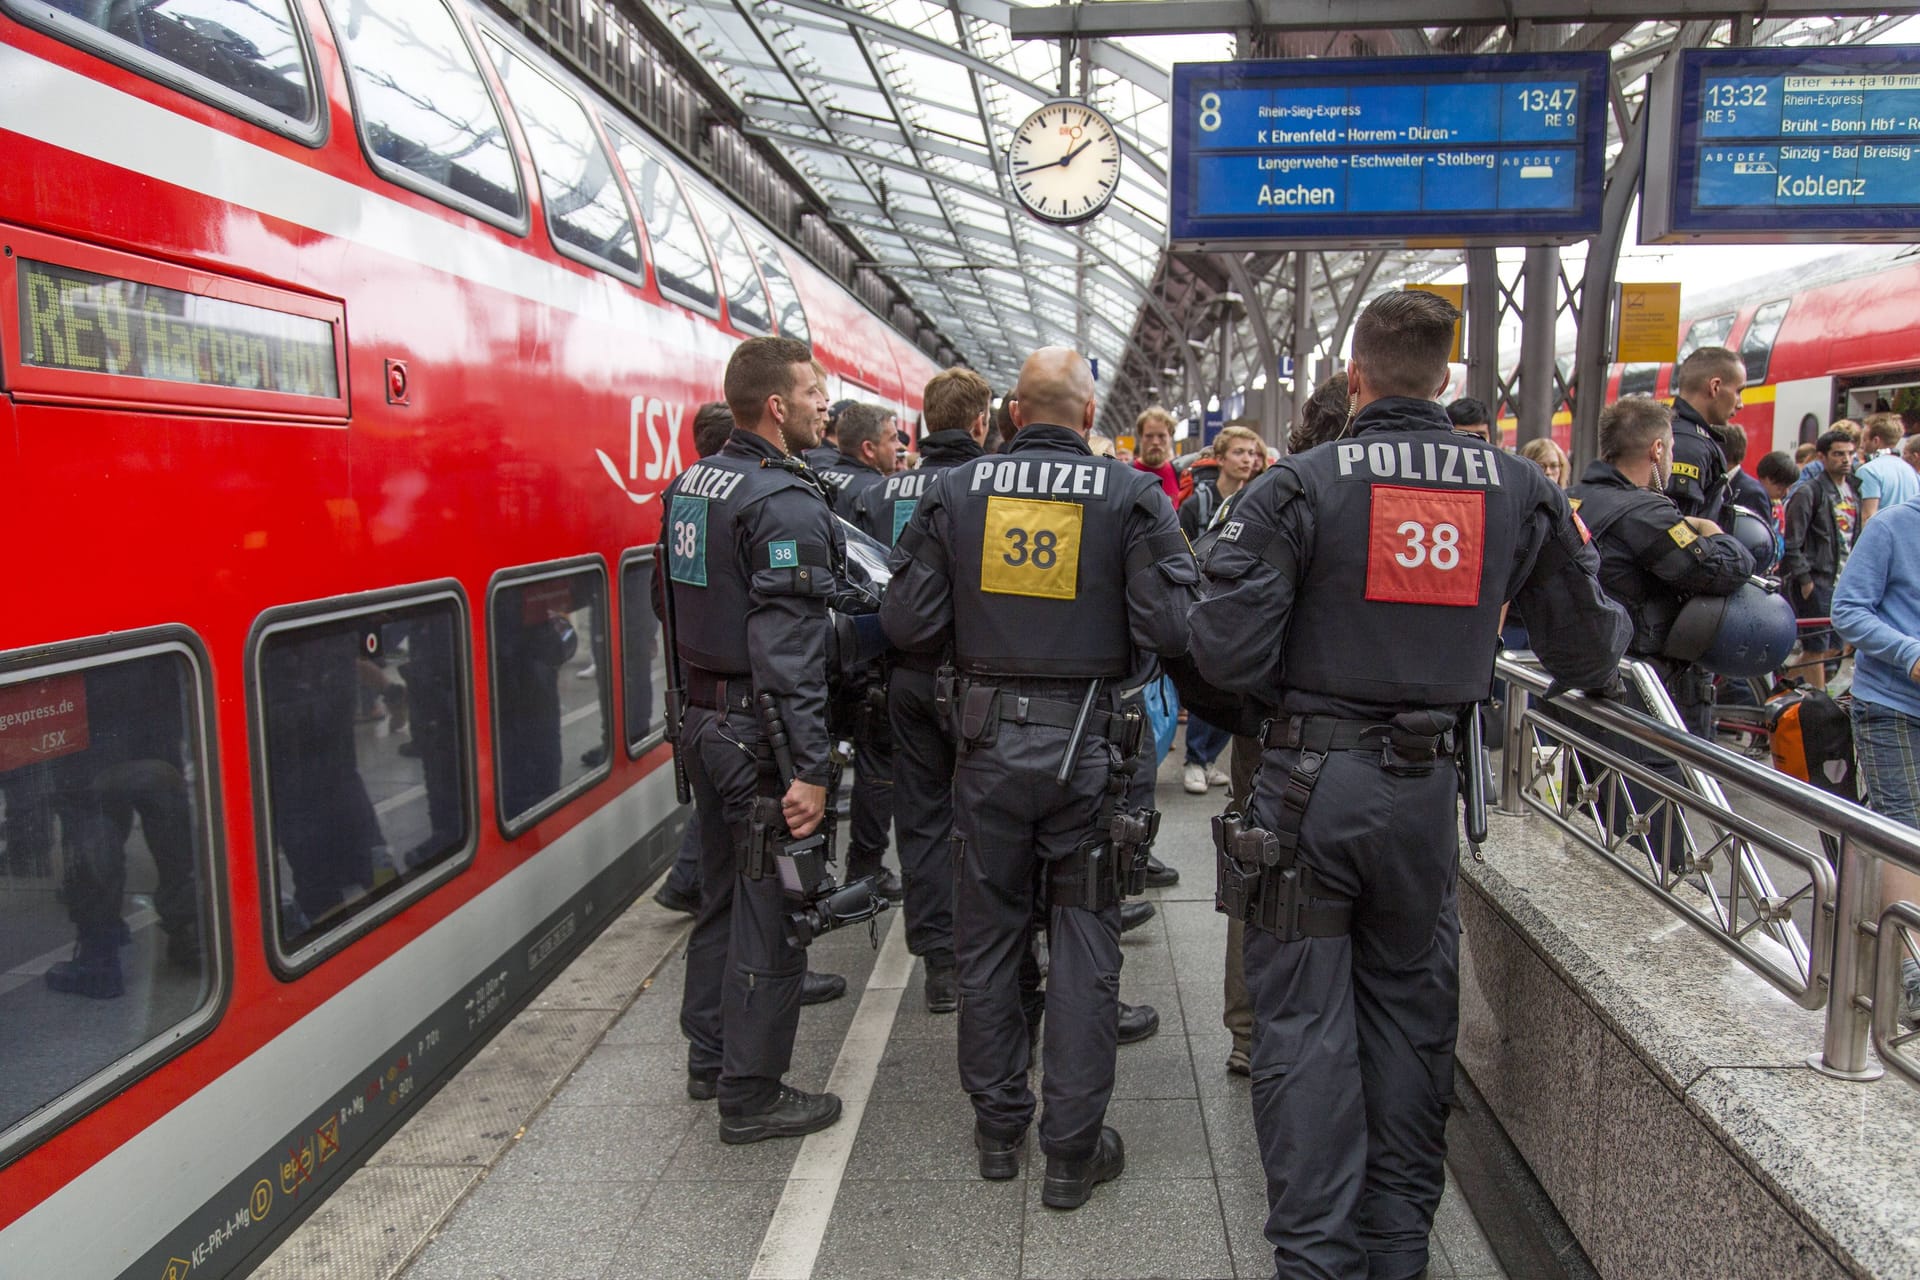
(1367, 574)
(1698, 484)
(1651, 560)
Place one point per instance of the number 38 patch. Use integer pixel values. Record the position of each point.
(1031, 548)
(1424, 546)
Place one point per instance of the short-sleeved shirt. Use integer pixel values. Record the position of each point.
(1890, 478)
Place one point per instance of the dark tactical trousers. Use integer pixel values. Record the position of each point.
(1353, 1036)
(742, 1000)
(923, 759)
(872, 809)
(1012, 816)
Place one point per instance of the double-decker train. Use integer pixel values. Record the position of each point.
(345, 348)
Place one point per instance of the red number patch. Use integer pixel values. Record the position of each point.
(1424, 546)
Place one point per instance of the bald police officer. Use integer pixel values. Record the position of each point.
(1048, 571)
(751, 551)
(1358, 586)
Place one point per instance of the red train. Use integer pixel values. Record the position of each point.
(1822, 343)
(346, 347)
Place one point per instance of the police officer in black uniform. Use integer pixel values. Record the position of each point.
(1706, 396)
(956, 406)
(1358, 587)
(750, 550)
(869, 454)
(828, 450)
(1047, 570)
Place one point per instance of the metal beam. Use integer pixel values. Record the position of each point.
(1538, 320)
(1120, 18)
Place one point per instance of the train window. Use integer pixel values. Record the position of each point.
(585, 210)
(746, 297)
(1756, 349)
(551, 691)
(425, 114)
(1710, 332)
(1639, 379)
(680, 262)
(363, 745)
(643, 656)
(247, 56)
(789, 317)
(109, 873)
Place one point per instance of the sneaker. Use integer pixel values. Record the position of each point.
(1194, 779)
(943, 988)
(1070, 1182)
(999, 1158)
(1216, 776)
(819, 988)
(1239, 1062)
(794, 1113)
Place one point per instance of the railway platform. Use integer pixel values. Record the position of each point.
(568, 1147)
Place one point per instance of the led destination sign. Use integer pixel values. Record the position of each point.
(1389, 150)
(1786, 144)
(81, 322)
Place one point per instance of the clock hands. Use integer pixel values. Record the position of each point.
(1061, 163)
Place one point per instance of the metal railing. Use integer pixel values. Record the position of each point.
(1647, 796)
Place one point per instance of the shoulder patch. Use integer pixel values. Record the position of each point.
(1683, 535)
(1232, 531)
(1586, 534)
(1575, 502)
(1686, 471)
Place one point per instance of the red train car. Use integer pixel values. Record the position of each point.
(346, 346)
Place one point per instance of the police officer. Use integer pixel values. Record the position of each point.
(1707, 389)
(828, 450)
(956, 406)
(750, 549)
(1358, 587)
(1652, 559)
(869, 453)
(1004, 557)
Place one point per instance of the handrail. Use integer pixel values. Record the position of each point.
(1842, 967)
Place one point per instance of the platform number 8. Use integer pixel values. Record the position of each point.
(1209, 112)
(1443, 555)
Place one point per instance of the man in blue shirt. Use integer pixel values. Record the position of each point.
(1876, 607)
(1885, 479)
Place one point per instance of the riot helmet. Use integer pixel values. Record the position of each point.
(1746, 634)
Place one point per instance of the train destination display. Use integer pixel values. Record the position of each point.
(1756, 145)
(1357, 151)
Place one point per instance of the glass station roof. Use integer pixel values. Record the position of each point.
(899, 112)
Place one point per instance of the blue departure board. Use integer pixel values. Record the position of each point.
(1753, 145)
(1389, 151)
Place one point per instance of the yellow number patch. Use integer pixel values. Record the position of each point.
(1031, 548)
(1683, 534)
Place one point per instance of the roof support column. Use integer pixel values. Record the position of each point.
(1303, 336)
(1483, 327)
(1537, 324)
(1266, 355)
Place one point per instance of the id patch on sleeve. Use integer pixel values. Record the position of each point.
(1683, 535)
(687, 540)
(783, 555)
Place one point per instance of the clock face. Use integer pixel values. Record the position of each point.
(1064, 162)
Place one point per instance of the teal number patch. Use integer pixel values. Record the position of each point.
(902, 512)
(687, 540)
(782, 555)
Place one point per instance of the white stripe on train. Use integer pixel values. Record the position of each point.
(104, 1220)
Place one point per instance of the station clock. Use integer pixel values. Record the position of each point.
(1064, 162)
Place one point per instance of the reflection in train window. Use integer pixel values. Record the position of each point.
(107, 935)
(746, 298)
(363, 725)
(249, 52)
(1710, 332)
(584, 207)
(1756, 348)
(643, 657)
(1639, 379)
(550, 690)
(789, 317)
(680, 262)
(427, 117)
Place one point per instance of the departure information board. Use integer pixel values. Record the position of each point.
(1767, 145)
(1389, 151)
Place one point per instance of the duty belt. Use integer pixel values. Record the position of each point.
(1321, 734)
(719, 693)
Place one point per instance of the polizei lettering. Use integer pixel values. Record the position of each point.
(699, 481)
(1432, 461)
(906, 484)
(1043, 479)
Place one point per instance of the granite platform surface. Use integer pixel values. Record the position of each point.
(1659, 1088)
